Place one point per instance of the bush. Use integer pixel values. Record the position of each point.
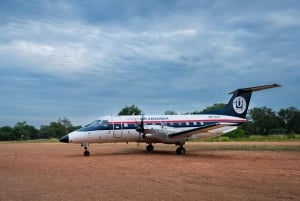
(236, 133)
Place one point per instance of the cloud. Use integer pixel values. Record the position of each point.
(74, 48)
(82, 58)
(285, 19)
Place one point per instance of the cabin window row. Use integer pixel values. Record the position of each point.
(172, 124)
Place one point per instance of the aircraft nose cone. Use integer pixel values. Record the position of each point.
(64, 139)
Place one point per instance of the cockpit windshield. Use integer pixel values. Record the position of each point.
(97, 123)
(94, 123)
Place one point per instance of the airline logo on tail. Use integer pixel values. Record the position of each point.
(239, 105)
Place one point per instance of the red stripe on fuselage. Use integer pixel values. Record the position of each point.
(181, 121)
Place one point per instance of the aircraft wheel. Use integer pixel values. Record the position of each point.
(86, 153)
(150, 148)
(180, 150)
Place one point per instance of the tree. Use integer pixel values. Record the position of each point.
(57, 129)
(46, 131)
(263, 120)
(289, 119)
(24, 131)
(215, 106)
(170, 112)
(6, 133)
(66, 123)
(130, 110)
(239, 132)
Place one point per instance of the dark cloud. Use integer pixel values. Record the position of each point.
(82, 59)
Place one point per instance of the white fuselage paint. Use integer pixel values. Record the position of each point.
(123, 128)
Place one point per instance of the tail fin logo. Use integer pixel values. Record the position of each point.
(239, 105)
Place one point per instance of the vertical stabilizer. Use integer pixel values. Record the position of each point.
(240, 100)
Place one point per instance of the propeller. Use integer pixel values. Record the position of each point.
(141, 128)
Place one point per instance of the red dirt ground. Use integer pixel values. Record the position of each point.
(54, 171)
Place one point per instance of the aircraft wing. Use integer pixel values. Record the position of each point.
(202, 129)
(156, 133)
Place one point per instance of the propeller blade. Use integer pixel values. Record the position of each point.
(142, 122)
(141, 129)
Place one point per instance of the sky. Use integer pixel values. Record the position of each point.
(85, 59)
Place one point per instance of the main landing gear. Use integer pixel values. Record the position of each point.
(149, 147)
(86, 151)
(180, 150)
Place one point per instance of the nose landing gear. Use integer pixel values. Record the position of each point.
(86, 151)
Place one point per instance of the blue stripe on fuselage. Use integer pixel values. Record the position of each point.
(119, 126)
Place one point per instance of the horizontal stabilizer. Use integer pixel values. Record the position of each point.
(257, 88)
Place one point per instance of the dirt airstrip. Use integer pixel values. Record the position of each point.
(54, 171)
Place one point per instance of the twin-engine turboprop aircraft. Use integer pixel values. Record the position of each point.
(167, 129)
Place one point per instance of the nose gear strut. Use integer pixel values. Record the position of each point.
(86, 151)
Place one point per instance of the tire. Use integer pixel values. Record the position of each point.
(150, 148)
(86, 153)
(180, 151)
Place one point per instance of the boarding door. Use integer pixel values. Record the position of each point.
(118, 128)
(163, 124)
(164, 127)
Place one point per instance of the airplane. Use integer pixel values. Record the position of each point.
(167, 129)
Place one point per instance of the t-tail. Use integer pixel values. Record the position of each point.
(239, 102)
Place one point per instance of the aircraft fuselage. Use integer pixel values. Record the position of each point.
(123, 128)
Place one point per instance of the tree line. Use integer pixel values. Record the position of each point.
(23, 131)
(266, 121)
(261, 121)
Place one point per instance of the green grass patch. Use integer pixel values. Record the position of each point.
(261, 147)
(252, 138)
